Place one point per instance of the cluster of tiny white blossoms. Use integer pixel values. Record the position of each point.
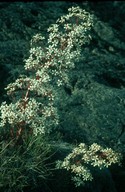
(78, 160)
(33, 95)
(63, 47)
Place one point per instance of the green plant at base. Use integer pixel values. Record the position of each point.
(23, 166)
(78, 160)
(33, 110)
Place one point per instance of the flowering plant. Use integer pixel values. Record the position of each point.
(78, 160)
(33, 96)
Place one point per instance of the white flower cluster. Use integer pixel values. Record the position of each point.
(78, 160)
(17, 112)
(63, 46)
(31, 113)
(65, 40)
(47, 66)
(19, 84)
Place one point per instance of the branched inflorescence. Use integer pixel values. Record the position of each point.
(78, 160)
(33, 96)
(33, 108)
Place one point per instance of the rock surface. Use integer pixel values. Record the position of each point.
(93, 108)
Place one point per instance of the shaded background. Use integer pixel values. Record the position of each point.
(93, 110)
